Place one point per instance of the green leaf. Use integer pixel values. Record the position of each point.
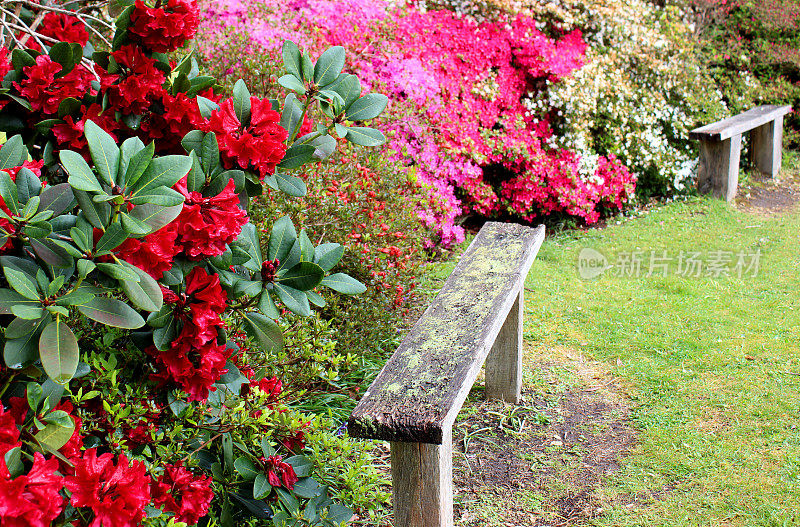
(21, 283)
(111, 239)
(288, 500)
(13, 460)
(306, 247)
(78, 297)
(281, 239)
(56, 198)
(8, 191)
(19, 327)
(308, 488)
(241, 101)
(301, 464)
(132, 225)
(261, 487)
(209, 153)
(246, 468)
(307, 66)
(290, 82)
(267, 306)
(112, 313)
(98, 214)
(85, 267)
(160, 318)
(348, 87)
(144, 294)
(55, 436)
(303, 276)
(129, 148)
(61, 52)
(104, 152)
(264, 331)
(163, 336)
(68, 106)
(328, 255)
(9, 298)
(81, 176)
(291, 59)
(315, 298)
(192, 140)
(339, 514)
(329, 65)
(58, 350)
(345, 284)
(13, 152)
(28, 185)
(294, 300)
(341, 130)
(162, 171)
(292, 113)
(360, 135)
(138, 163)
(296, 156)
(162, 196)
(51, 253)
(367, 107)
(117, 271)
(38, 230)
(206, 106)
(23, 351)
(155, 216)
(27, 311)
(291, 185)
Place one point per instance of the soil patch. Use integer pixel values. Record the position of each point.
(539, 463)
(765, 196)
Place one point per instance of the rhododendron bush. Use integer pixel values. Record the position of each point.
(139, 301)
(461, 119)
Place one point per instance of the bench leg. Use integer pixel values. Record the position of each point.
(718, 173)
(767, 147)
(422, 483)
(504, 362)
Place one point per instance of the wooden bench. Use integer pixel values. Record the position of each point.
(415, 398)
(721, 144)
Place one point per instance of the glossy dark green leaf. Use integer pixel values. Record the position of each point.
(162, 171)
(28, 186)
(264, 331)
(291, 59)
(290, 82)
(112, 312)
(23, 350)
(261, 487)
(163, 336)
(209, 153)
(294, 300)
(97, 214)
(56, 198)
(246, 468)
(303, 276)
(329, 65)
(292, 113)
(267, 306)
(281, 239)
(362, 136)
(55, 436)
(296, 156)
(13, 152)
(144, 294)
(8, 191)
(367, 107)
(117, 271)
(161, 196)
(37, 230)
(315, 298)
(51, 253)
(348, 87)
(206, 106)
(58, 350)
(308, 488)
(345, 284)
(21, 283)
(241, 101)
(328, 255)
(104, 151)
(10, 298)
(137, 165)
(192, 140)
(81, 176)
(155, 216)
(291, 185)
(111, 239)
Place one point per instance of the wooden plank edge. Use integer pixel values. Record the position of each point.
(699, 134)
(368, 427)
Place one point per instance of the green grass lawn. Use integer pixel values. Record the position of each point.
(710, 364)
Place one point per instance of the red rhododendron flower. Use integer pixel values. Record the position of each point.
(116, 492)
(258, 146)
(182, 492)
(32, 499)
(207, 225)
(69, 134)
(166, 28)
(181, 115)
(9, 433)
(280, 473)
(41, 88)
(5, 62)
(36, 168)
(140, 84)
(195, 361)
(64, 27)
(153, 253)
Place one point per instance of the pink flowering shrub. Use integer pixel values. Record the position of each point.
(458, 111)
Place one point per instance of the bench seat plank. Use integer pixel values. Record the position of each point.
(738, 124)
(417, 395)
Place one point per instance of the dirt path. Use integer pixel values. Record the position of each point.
(769, 197)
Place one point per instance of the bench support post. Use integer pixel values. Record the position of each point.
(767, 147)
(718, 172)
(422, 483)
(504, 362)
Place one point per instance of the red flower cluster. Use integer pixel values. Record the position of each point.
(182, 492)
(116, 492)
(164, 29)
(139, 84)
(181, 115)
(259, 145)
(153, 253)
(44, 91)
(64, 27)
(280, 473)
(194, 360)
(69, 134)
(207, 225)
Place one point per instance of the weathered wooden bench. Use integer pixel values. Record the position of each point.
(415, 398)
(721, 144)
